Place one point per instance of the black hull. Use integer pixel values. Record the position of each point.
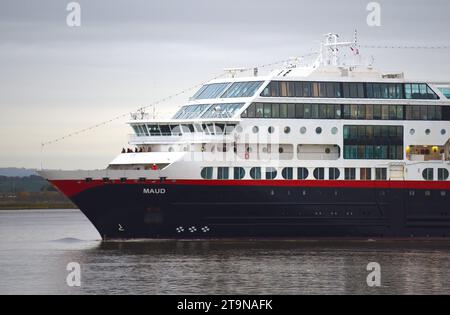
(228, 211)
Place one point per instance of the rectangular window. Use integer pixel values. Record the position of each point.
(275, 110)
(377, 112)
(307, 89)
(438, 113)
(307, 111)
(315, 89)
(275, 88)
(408, 91)
(298, 89)
(322, 111)
(350, 173)
(322, 89)
(361, 111)
(423, 112)
(369, 112)
(330, 112)
(291, 89)
(354, 111)
(385, 112)
(347, 112)
(259, 110)
(267, 110)
(381, 174)
(369, 152)
(283, 89)
(392, 112)
(291, 110)
(416, 112)
(283, 111)
(314, 111)
(337, 111)
(431, 113)
(299, 111)
(366, 174)
(346, 132)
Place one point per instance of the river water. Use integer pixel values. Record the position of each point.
(37, 245)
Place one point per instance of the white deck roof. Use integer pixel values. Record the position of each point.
(147, 158)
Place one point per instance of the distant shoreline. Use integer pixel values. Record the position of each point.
(37, 206)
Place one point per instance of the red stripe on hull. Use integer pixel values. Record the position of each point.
(73, 187)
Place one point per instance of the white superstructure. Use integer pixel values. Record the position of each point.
(332, 120)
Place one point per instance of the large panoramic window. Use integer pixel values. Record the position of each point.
(222, 110)
(191, 111)
(445, 91)
(211, 91)
(349, 90)
(373, 142)
(348, 112)
(419, 91)
(385, 90)
(242, 89)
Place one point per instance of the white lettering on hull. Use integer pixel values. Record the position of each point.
(154, 191)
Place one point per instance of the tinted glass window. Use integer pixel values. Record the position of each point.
(211, 91)
(242, 89)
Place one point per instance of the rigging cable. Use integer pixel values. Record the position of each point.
(162, 100)
(44, 144)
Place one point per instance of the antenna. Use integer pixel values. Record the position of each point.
(234, 71)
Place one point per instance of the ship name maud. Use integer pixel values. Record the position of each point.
(154, 191)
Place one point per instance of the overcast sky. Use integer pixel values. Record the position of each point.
(56, 79)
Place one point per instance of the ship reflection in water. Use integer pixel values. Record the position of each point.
(36, 247)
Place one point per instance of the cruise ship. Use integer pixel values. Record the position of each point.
(333, 149)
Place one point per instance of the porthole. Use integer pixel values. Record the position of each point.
(302, 173)
(327, 151)
(264, 149)
(443, 174)
(287, 130)
(271, 130)
(318, 130)
(443, 132)
(334, 173)
(170, 149)
(255, 173)
(303, 130)
(238, 129)
(207, 173)
(427, 174)
(427, 132)
(287, 173)
(280, 150)
(334, 130)
(319, 173)
(255, 129)
(271, 173)
(412, 132)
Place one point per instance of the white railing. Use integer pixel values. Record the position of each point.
(134, 139)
